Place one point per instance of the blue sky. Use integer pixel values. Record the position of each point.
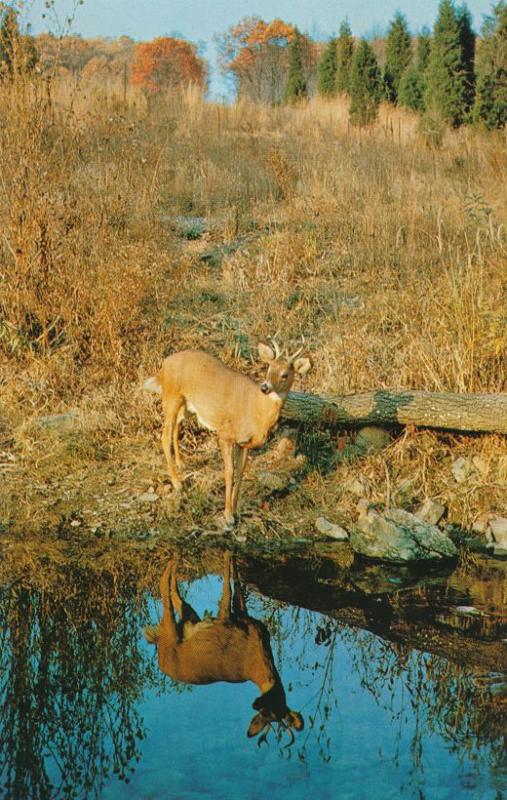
(199, 20)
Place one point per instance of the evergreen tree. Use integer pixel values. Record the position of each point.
(423, 50)
(365, 85)
(344, 54)
(450, 67)
(398, 55)
(467, 38)
(412, 86)
(326, 70)
(491, 100)
(296, 83)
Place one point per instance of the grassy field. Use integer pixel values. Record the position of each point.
(131, 230)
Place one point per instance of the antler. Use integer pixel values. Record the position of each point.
(282, 726)
(264, 734)
(298, 352)
(276, 347)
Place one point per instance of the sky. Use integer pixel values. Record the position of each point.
(199, 20)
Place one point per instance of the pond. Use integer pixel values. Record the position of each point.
(367, 682)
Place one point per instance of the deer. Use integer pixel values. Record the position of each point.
(232, 647)
(225, 401)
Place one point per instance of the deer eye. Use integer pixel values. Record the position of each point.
(285, 374)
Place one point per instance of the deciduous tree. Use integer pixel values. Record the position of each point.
(256, 54)
(167, 63)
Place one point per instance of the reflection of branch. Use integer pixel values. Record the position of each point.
(327, 674)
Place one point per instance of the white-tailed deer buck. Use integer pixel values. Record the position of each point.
(232, 647)
(240, 412)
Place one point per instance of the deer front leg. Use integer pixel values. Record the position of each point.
(171, 413)
(224, 611)
(241, 457)
(227, 454)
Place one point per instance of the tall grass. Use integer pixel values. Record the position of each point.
(388, 255)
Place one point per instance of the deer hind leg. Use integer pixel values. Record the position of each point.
(172, 409)
(240, 459)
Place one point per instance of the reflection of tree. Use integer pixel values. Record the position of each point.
(447, 699)
(428, 691)
(70, 672)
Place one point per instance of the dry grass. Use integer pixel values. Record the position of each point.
(387, 254)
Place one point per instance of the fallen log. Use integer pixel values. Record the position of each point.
(485, 413)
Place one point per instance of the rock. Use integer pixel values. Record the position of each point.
(357, 486)
(76, 523)
(498, 526)
(405, 491)
(481, 525)
(372, 439)
(274, 481)
(63, 422)
(430, 511)
(148, 497)
(283, 448)
(331, 530)
(397, 535)
(481, 465)
(463, 470)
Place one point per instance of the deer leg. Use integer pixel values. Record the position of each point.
(224, 610)
(176, 448)
(168, 624)
(238, 598)
(171, 410)
(241, 457)
(184, 610)
(227, 454)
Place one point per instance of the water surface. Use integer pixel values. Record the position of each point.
(400, 679)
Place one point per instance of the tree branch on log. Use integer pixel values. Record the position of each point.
(484, 413)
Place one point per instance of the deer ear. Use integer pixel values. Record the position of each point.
(266, 354)
(256, 725)
(294, 720)
(302, 365)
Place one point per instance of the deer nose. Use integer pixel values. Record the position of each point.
(265, 388)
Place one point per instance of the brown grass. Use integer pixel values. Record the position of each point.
(387, 254)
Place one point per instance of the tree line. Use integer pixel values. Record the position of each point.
(448, 74)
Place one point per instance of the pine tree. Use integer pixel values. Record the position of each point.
(450, 68)
(365, 85)
(491, 99)
(344, 54)
(326, 70)
(423, 50)
(398, 55)
(412, 86)
(467, 38)
(296, 83)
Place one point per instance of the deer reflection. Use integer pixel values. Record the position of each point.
(232, 647)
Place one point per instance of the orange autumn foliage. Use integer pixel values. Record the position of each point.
(248, 39)
(167, 63)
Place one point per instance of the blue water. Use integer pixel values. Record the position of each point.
(381, 720)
